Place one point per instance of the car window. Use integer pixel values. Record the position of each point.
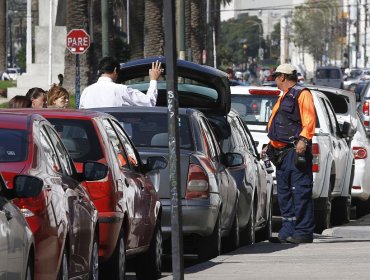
(254, 109)
(130, 150)
(332, 118)
(13, 145)
(64, 159)
(247, 136)
(208, 140)
(50, 154)
(151, 130)
(114, 140)
(334, 74)
(80, 139)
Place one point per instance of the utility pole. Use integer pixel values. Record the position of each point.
(29, 35)
(365, 35)
(357, 30)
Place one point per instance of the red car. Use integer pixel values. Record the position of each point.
(62, 217)
(127, 201)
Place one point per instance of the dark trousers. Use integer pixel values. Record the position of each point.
(294, 190)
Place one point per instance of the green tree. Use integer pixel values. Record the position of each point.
(316, 20)
(235, 32)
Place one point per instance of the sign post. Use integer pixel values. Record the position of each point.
(78, 41)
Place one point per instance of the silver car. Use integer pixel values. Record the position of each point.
(17, 249)
(363, 107)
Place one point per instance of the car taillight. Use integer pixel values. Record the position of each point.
(316, 157)
(32, 205)
(197, 186)
(359, 152)
(264, 92)
(365, 108)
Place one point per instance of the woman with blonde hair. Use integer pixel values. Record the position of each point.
(58, 97)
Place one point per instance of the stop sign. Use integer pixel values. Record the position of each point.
(78, 41)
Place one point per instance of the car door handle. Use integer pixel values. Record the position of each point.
(334, 144)
(339, 146)
(127, 182)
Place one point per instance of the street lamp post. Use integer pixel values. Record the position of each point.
(260, 51)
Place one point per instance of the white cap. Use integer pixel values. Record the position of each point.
(286, 69)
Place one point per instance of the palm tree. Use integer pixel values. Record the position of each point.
(2, 36)
(136, 28)
(197, 30)
(153, 28)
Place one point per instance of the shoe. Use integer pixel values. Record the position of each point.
(299, 240)
(278, 240)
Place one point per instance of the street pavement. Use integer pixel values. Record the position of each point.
(339, 253)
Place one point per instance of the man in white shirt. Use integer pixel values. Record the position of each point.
(106, 93)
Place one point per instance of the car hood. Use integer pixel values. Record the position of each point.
(199, 86)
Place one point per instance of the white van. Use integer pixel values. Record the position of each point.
(330, 76)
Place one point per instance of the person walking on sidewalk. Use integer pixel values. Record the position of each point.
(106, 93)
(290, 128)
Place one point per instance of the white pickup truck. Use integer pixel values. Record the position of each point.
(333, 162)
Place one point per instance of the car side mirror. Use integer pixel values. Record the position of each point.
(233, 159)
(26, 186)
(347, 130)
(94, 171)
(155, 163)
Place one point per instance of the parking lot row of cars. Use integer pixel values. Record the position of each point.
(93, 185)
(98, 185)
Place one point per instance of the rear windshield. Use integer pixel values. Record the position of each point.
(13, 145)
(254, 109)
(151, 130)
(80, 139)
(328, 74)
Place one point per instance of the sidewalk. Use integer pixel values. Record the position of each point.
(339, 253)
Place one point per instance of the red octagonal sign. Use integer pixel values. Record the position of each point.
(78, 41)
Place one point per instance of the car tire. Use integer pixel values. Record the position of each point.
(232, 241)
(115, 268)
(266, 232)
(64, 266)
(94, 263)
(323, 211)
(29, 270)
(149, 265)
(248, 235)
(362, 208)
(210, 246)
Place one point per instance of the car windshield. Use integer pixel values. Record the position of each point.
(13, 145)
(254, 109)
(355, 73)
(80, 139)
(151, 130)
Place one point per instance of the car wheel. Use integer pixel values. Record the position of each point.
(232, 241)
(94, 264)
(115, 268)
(29, 270)
(322, 206)
(210, 246)
(362, 208)
(149, 265)
(266, 232)
(249, 234)
(63, 271)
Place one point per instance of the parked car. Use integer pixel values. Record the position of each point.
(363, 107)
(361, 181)
(17, 245)
(62, 217)
(126, 198)
(352, 79)
(209, 195)
(330, 76)
(359, 90)
(253, 180)
(333, 161)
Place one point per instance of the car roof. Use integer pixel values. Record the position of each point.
(17, 120)
(142, 109)
(60, 113)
